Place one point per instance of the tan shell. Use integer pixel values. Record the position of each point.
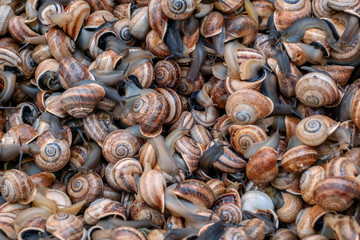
(317, 90)
(247, 106)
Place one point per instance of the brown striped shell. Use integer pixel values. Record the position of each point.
(150, 111)
(341, 167)
(80, 101)
(195, 191)
(86, 187)
(317, 90)
(72, 71)
(298, 159)
(167, 73)
(65, 226)
(246, 106)
(262, 167)
(314, 130)
(242, 137)
(54, 153)
(336, 193)
(122, 174)
(120, 144)
(308, 181)
(178, 9)
(127, 233)
(79, 11)
(152, 185)
(16, 186)
(228, 207)
(60, 44)
(102, 208)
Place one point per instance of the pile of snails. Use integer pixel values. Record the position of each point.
(179, 119)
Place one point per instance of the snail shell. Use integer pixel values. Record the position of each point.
(228, 6)
(102, 208)
(174, 103)
(86, 187)
(247, 106)
(241, 26)
(195, 191)
(54, 153)
(7, 224)
(254, 228)
(157, 19)
(336, 193)
(314, 130)
(152, 185)
(72, 71)
(298, 159)
(317, 90)
(178, 9)
(139, 23)
(80, 101)
(142, 211)
(22, 133)
(79, 11)
(242, 137)
(167, 73)
(16, 186)
(65, 226)
(341, 166)
(308, 181)
(292, 205)
(121, 175)
(262, 167)
(96, 128)
(60, 44)
(228, 207)
(150, 111)
(127, 233)
(120, 144)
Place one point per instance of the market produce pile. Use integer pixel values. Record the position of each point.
(179, 119)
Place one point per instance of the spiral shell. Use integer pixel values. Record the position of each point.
(341, 166)
(167, 73)
(246, 106)
(308, 181)
(121, 175)
(314, 130)
(101, 208)
(127, 233)
(292, 205)
(195, 191)
(298, 159)
(336, 193)
(86, 187)
(242, 137)
(174, 103)
(150, 111)
(152, 185)
(16, 186)
(79, 11)
(228, 207)
(262, 167)
(60, 44)
(241, 26)
(317, 90)
(72, 71)
(54, 153)
(65, 226)
(178, 9)
(80, 101)
(120, 144)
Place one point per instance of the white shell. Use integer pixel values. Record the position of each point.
(256, 200)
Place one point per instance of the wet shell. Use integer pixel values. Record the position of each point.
(242, 137)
